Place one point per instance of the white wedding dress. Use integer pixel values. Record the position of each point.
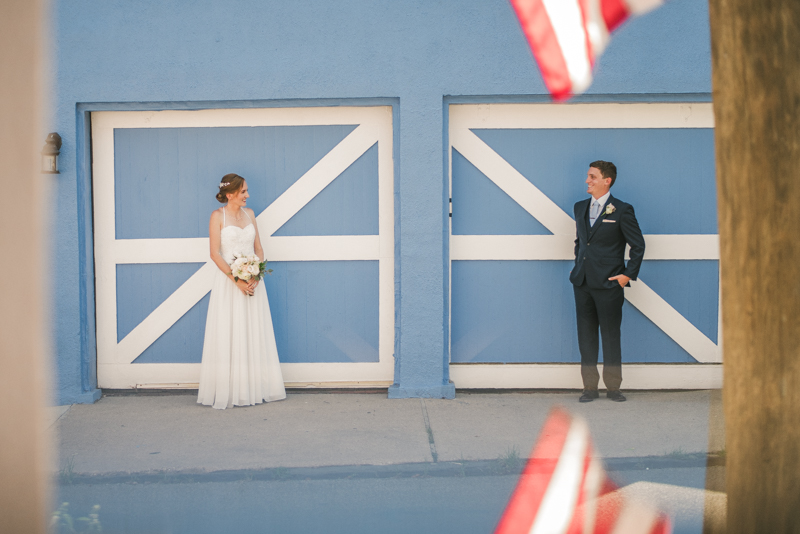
(240, 364)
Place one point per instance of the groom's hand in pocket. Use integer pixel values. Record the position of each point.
(621, 279)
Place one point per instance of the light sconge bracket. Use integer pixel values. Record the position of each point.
(50, 152)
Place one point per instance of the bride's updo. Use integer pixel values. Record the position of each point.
(230, 184)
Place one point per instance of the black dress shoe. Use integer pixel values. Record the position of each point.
(616, 396)
(589, 395)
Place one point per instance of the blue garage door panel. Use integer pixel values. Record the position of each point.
(319, 177)
(644, 342)
(174, 173)
(142, 287)
(524, 312)
(321, 311)
(325, 311)
(482, 208)
(347, 206)
(183, 342)
(691, 287)
(512, 312)
(667, 174)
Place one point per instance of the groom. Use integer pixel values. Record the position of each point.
(604, 226)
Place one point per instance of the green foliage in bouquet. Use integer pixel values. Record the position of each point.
(262, 269)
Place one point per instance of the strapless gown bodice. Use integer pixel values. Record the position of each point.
(235, 241)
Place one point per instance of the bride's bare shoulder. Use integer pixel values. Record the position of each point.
(216, 215)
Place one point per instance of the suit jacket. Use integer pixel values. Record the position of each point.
(600, 249)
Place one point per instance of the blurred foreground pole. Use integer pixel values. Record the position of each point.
(756, 88)
(23, 329)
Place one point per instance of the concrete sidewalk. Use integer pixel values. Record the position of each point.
(145, 433)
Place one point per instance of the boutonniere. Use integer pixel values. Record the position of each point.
(610, 209)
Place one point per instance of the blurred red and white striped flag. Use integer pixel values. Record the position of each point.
(566, 36)
(564, 489)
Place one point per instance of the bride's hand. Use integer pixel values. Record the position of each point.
(253, 284)
(244, 287)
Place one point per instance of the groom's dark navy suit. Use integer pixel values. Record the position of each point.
(599, 255)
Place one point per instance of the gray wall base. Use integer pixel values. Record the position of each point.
(88, 397)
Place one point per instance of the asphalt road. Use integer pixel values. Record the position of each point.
(351, 500)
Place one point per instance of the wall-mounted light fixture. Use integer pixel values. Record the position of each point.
(50, 152)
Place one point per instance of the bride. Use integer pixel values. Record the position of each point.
(240, 364)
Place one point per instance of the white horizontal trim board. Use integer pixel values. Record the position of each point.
(173, 375)
(373, 125)
(549, 116)
(172, 250)
(217, 118)
(568, 376)
(464, 376)
(560, 246)
(289, 248)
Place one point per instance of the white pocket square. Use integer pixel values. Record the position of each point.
(606, 220)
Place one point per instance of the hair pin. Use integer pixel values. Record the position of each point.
(224, 184)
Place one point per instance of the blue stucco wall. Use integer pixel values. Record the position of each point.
(420, 52)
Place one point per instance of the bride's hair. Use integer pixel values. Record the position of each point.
(230, 183)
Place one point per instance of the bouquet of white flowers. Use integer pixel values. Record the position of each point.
(248, 268)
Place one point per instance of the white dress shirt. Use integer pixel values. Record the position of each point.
(602, 200)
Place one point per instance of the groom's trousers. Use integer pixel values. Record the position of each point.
(599, 315)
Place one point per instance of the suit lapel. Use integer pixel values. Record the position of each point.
(584, 217)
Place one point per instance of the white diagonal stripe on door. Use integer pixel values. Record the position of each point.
(165, 315)
(512, 182)
(672, 323)
(316, 179)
